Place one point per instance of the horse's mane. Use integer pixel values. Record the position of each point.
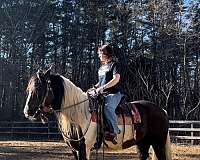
(73, 109)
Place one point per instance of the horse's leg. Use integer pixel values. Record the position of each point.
(88, 149)
(159, 150)
(168, 148)
(79, 149)
(90, 139)
(88, 152)
(163, 149)
(75, 154)
(143, 147)
(82, 151)
(79, 154)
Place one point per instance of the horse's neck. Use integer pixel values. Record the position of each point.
(73, 94)
(75, 107)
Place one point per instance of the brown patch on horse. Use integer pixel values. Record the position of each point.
(129, 113)
(135, 114)
(94, 116)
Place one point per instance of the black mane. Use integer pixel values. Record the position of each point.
(57, 85)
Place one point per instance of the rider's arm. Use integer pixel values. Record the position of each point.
(97, 85)
(112, 82)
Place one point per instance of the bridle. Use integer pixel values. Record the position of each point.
(42, 108)
(49, 109)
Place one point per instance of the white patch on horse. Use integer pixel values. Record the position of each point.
(27, 101)
(78, 114)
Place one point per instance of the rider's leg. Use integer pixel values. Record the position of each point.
(111, 102)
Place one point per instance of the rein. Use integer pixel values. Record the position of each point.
(66, 136)
(70, 106)
(60, 126)
(56, 112)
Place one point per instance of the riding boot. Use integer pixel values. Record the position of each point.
(112, 137)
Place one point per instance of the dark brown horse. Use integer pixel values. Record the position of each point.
(49, 92)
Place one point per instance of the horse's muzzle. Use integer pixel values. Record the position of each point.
(29, 117)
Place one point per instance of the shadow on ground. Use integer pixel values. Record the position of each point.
(24, 152)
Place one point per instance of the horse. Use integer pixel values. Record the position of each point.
(53, 93)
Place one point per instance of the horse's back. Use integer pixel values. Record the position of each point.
(151, 108)
(153, 130)
(154, 119)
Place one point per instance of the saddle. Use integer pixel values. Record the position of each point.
(126, 112)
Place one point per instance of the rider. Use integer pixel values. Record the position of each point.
(109, 77)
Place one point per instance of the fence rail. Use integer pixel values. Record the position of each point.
(29, 130)
(180, 131)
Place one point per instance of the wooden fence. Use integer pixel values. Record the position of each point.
(185, 131)
(29, 131)
(180, 131)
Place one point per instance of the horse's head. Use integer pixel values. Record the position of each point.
(39, 96)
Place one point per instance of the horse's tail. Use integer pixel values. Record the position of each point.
(167, 149)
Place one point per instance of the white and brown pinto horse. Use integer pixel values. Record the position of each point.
(47, 92)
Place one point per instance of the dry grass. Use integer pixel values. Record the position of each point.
(23, 150)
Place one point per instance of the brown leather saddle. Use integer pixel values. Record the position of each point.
(126, 112)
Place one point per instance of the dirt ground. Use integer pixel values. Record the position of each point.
(25, 150)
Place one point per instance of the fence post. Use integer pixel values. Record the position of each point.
(12, 130)
(192, 134)
(48, 130)
(29, 132)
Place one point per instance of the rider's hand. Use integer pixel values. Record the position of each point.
(100, 89)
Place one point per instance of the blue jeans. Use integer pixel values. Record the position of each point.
(111, 102)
